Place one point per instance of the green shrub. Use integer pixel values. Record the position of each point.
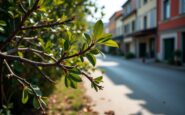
(178, 53)
(157, 60)
(129, 55)
(171, 61)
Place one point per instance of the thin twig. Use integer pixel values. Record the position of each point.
(25, 82)
(44, 75)
(91, 80)
(29, 12)
(25, 60)
(47, 25)
(77, 54)
(37, 51)
(22, 7)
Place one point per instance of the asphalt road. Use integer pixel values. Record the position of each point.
(162, 89)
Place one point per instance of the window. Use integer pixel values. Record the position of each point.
(126, 29)
(129, 27)
(133, 26)
(128, 8)
(145, 22)
(145, 1)
(139, 23)
(153, 18)
(166, 9)
(138, 3)
(182, 6)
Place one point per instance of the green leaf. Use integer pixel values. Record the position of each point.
(48, 2)
(98, 79)
(93, 85)
(66, 44)
(98, 29)
(25, 96)
(104, 38)
(30, 3)
(42, 9)
(1, 29)
(91, 59)
(88, 38)
(2, 23)
(95, 51)
(36, 103)
(48, 44)
(69, 34)
(84, 47)
(73, 84)
(75, 77)
(111, 43)
(20, 54)
(11, 14)
(67, 81)
(58, 2)
(81, 58)
(75, 71)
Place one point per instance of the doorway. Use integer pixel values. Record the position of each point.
(127, 47)
(183, 46)
(142, 50)
(168, 48)
(152, 48)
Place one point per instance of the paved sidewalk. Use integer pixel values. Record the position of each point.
(113, 98)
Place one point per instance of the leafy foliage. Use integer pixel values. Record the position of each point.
(42, 39)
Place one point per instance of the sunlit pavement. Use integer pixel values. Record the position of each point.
(132, 88)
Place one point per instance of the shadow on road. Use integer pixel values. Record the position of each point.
(149, 84)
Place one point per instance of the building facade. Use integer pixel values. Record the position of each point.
(146, 28)
(116, 29)
(171, 28)
(129, 23)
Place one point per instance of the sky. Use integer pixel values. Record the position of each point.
(110, 7)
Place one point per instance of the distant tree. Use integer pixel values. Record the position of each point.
(39, 38)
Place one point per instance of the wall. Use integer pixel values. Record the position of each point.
(112, 26)
(148, 10)
(171, 27)
(129, 20)
(119, 26)
(176, 20)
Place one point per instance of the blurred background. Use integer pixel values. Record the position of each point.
(146, 74)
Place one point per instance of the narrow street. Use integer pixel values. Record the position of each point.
(132, 88)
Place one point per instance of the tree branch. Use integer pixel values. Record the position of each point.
(24, 82)
(47, 25)
(91, 80)
(11, 57)
(37, 51)
(77, 54)
(44, 75)
(22, 7)
(27, 38)
(20, 25)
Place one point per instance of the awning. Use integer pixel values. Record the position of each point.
(127, 40)
(152, 31)
(145, 32)
(118, 37)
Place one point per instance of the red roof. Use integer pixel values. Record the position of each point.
(117, 14)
